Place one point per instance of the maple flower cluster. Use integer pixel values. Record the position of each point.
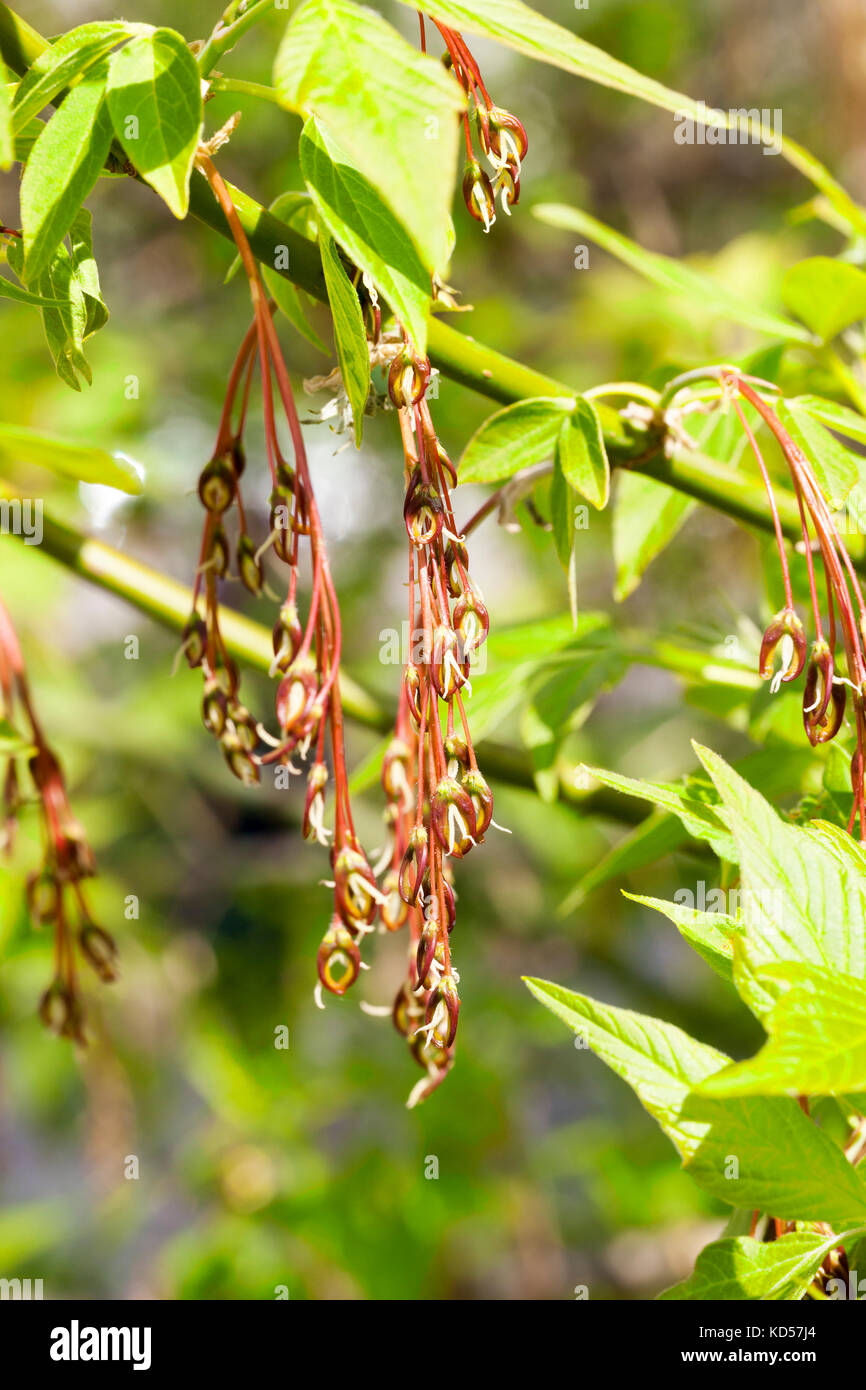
(55, 891)
(500, 136)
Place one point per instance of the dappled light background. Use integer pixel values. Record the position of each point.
(262, 1167)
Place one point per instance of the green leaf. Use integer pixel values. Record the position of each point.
(582, 454)
(836, 470)
(704, 293)
(350, 337)
(12, 743)
(827, 295)
(64, 165)
(646, 517)
(750, 1152)
(9, 290)
(392, 109)
(710, 933)
(79, 461)
(154, 97)
(693, 802)
(514, 438)
(805, 904)
(835, 416)
(561, 512)
(65, 60)
(518, 26)
(357, 217)
(817, 1042)
(72, 282)
(746, 1269)
(7, 139)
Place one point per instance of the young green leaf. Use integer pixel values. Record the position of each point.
(392, 110)
(836, 417)
(750, 1152)
(742, 1268)
(827, 295)
(64, 165)
(78, 461)
(7, 138)
(582, 455)
(372, 237)
(59, 65)
(155, 102)
(710, 933)
(835, 468)
(350, 337)
(704, 293)
(693, 802)
(9, 290)
(646, 517)
(804, 903)
(514, 438)
(817, 1042)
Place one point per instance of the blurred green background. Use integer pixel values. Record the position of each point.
(262, 1168)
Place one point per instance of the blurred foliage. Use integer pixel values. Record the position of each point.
(301, 1168)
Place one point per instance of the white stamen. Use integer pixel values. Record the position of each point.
(317, 995)
(376, 1010)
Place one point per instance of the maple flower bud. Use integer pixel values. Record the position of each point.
(412, 682)
(194, 640)
(408, 1011)
(295, 695)
(217, 485)
(355, 889)
(214, 706)
(453, 576)
(407, 380)
(414, 865)
(453, 816)
(287, 636)
(457, 753)
(60, 1010)
(338, 960)
(250, 569)
(313, 827)
(478, 194)
(507, 137)
(472, 622)
(218, 552)
(392, 909)
(784, 634)
(443, 1011)
(238, 759)
(99, 950)
(823, 698)
(482, 800)
(447, 674)
(43, 897)
(422, 511)
(507, 187)
(426, 951)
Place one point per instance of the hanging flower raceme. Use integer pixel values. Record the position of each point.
(500, 136)
(55, 892)
(439, 805)
(784, 649)
(306, 647)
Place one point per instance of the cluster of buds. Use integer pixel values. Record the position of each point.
(785, 650)
(55, 894)
(439, 805)
(306, 659)
(500, 136)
